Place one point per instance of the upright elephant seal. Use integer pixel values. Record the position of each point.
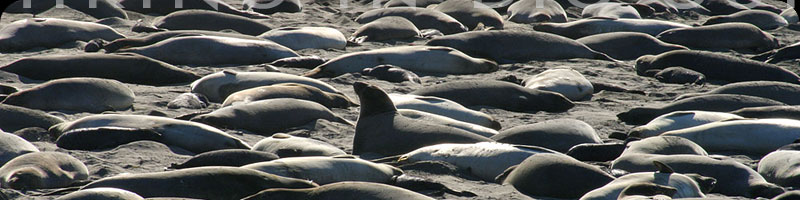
(126, 68)
(564, 176)
(213, 50)
(787, 112)
(200, 182)
(285, 145)
(101, 193)
(269, 116)
(586, 27)
(85, 95)
(218, 86)
(717, 66)
(226, 157)
(688, 187)
(42, 170)
(212, 21)
(14, 118)
(732, 35)
(499, 94)
(779, 91)
(780, 167)
(678, 120)
(443, 107)
(425, 59)
(507, 47)
(471, 13)
(750, 136)
(289, 90)
(567, 82)
(348, 189)
(269, 7)
(297, 38)
(423, 18)
(612, 10)
(532, 11)
(167, 7)
(713, 102)
(385, 28)
(765, 20)
(12, 146)
(382, 130)
(325, 170)
(618, 44)
(38, 32)
(557, 134)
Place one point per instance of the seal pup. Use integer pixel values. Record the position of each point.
(14, 118)
(443, 107)
(586, 27)
(285, 145)
(426, 59)
(101, 193)
(122, 43)
(167, 7)
(325, 170)
(612, 10)
(200, 182)
(385, 28)
(442, 120)
(712, 102)
(289, 90)
(559, 172)
(423, 18)
(382, 130)
(556, 134)
(213, 21)
(664, 176)
(347, 189)
(498, 94)
(42, 170)
(716, 66)
(223, 158)
(27, 34)
(779, 167)
(775, 90)
(471, 13)
(391, 73)
(269, 7)
(567, 82)
(679, 120)
(218, 86)
(533, 11)
(12, 146)
(618, 44)
(752, 136)
(765, 20)
(297, 38)
(213, 50)
(85, 95)
(790, 15)
(732, 35)
(788, 112)
(269, 116)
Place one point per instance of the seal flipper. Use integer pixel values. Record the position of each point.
(502, 177)
(662, 168)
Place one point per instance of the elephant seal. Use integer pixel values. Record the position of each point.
(559, 172)
(618, 44)
(189, 100)
(682, 7)
(26, 34)
(751, 136)
(42, 170)
(325, 170)
(443, 107)
(385, 28)
(12, 146)
(14, 118)
(297, 38)
(732, 35)
(122, 43)
(780, 167)
(213, 50)
(612, 10)
(269, 7)
(680, 75)
(382, 130)
(764, 20)
(716, 66)
(790, 15)
(788, 112)
(712, 102)
(167, 7)
(557, 134)
(471, 13)
(642, 191)
(426, 59)
(174, 132)
(597, 152)
(779, 91)
(214, 21)
(789, 52)
(442, 120)
(308, 62)
(759, 5)
(688, 187)
(101, 193)
(347, 189)
(498, 94)
(391, 73)
(789, 195)
(664, 145)
(104, 138)
(586, 27)
(567, 82)
(199, 182)
(126, 68)
(533, 11)
(423, 18)
(285, 145)
(218, 86)
(679, 120)
(226, 157)
(262, 116)
(486, 160)
(85, 95)
(289, 90)
(507, 47)
(723, 7)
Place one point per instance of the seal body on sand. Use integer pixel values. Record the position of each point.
(12, 146)
(764, 20)
(723, 7)
(101, 193)
(325, 170)
(167, 7)
(618, 44)
(347, 190)
(499, 94)
(679, 120)
(557, 134)
(82, 95)
(218, 86)
(38, 32)
(717, 66)
(680, 75)
(443, 107)
(103, 137)
(664, 145)
(779, 91)
(13, 118)
(269, 116)
(514, 47)
(567, 82)
(426, 59)
(780, 167)
(382, 130)
(532, 11)
(126, 68)
(42, 170)
(442, 120)
(268, 7)
(688, 187)
(712, 102)
(790, 15)
(610, 10)
(423, 18)
(297, 38)
(486, 160)
(788, 112)
(226, 157)
(471, 13)
(212, 21)
(385, 28)
(153, 38)
(565, 176)
(199, 182)
(733, 35)
(754, 136)
(587, 27)
(213, 50)
(391, 73)
(289, 90)
(174, 132)
(285, 145)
